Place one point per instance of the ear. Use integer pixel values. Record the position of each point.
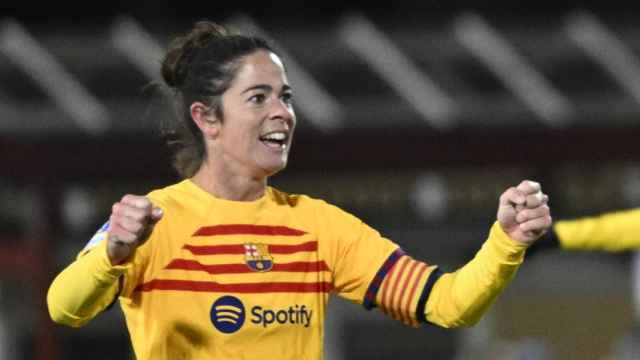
(205, 118)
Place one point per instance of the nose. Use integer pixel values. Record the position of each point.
(283, 111)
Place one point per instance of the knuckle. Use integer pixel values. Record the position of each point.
(533, 184)
(145, 203)
(508, 193)
(137, 215)
(137, 227)
(117, 238)
(533, 202)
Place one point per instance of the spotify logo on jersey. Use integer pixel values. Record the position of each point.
(227, 314)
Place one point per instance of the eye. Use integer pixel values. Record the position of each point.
(258, 98)
(287, 98)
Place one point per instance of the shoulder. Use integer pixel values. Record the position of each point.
(308, 204)
(295, 200)
(174, 195)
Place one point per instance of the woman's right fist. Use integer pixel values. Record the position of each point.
(131, 222)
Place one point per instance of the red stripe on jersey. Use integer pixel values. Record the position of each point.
(215, 249)
(384, 301)
(423, 268)
(292, 249)
(404, 306)
(399, 288)
(192, 265)
(244, 288)
(233, 249)
(369, 300)
(396, 311)
(247, 229)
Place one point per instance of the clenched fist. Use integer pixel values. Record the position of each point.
(523, 212)
(131, 222)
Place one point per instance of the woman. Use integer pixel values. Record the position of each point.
(222, 266)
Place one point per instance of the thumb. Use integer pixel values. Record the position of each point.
(156, 214)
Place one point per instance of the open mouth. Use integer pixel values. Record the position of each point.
(275, 139)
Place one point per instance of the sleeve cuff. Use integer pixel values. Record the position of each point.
(504, 247)
(548, 241)
(101, 265)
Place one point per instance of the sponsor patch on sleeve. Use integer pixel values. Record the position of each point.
(98, 236)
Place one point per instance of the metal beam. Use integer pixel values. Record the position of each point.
(137, 45)
(529, 85)
(397, 69)
(65, 90)
(607, 49)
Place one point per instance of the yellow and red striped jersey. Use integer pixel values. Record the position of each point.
(220, 279)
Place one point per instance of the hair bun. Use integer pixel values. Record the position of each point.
(183, 49)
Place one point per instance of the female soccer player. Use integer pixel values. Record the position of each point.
(223, 266)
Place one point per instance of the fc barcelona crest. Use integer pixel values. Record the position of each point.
(257, 257)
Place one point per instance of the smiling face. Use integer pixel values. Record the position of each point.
(254, 136)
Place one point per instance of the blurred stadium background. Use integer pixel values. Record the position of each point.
(414, 117)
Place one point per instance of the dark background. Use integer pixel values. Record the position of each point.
(433, 191)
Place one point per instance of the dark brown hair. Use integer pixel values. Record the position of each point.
(200, 66)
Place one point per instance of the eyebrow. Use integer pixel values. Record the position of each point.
(265, 87)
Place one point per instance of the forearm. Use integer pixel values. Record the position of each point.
(84, 288)
(461, 298)
(616, 231)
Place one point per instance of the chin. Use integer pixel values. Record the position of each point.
(273, 164)
(278, 169)
(273, 169)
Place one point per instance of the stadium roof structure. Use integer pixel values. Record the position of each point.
(447, 90)
(575, 70)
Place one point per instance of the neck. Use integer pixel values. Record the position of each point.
(229, 186)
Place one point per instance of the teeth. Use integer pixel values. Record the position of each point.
(277, 136)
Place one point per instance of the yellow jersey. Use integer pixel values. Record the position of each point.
(220, 279)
